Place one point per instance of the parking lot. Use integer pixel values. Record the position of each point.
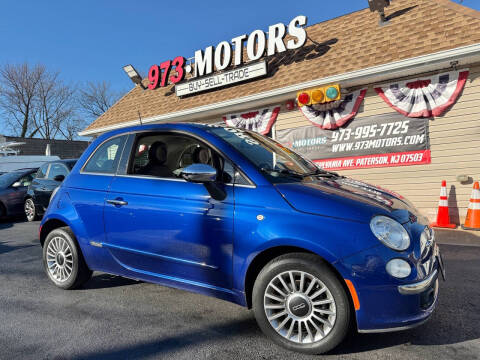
(117, 318)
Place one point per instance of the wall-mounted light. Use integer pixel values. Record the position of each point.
(134, 75)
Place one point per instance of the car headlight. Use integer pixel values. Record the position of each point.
(390, 232)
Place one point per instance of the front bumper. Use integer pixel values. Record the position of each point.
(388, 304)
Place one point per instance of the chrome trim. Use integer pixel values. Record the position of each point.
(400, 328)
(117, 202)
(148, 177)
(418, 287)
(164, 257)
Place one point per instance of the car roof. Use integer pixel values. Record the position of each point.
(64, 161)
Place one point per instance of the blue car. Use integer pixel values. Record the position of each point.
(235, 215)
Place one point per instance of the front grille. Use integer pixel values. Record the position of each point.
(427, 245)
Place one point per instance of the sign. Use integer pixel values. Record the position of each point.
(227, 54)
(234, 76)
(374, 141)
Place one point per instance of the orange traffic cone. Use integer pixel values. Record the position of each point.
(443, 219)
(472, 221)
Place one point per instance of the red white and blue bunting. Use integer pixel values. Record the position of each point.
(331, 119)
(424, 97)
(257, 120)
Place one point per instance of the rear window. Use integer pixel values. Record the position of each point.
(106, 157)
(42, 172)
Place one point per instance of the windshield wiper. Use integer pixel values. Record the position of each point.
(321, 173)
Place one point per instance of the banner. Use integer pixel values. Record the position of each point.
(424, 97)
(256, 120)
(374, 141)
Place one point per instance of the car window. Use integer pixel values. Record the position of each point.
(26, 180)
(272, 158)
(164, 155)
(57, 169)
(42, 172)
(8, 179)
(106, 157)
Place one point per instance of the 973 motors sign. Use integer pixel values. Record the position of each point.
(374, 141)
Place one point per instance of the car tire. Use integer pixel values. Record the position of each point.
(63, 260)
(322, 309)
(30, 210)
(3, 211)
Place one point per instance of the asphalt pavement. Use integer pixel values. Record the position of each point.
(116, 318)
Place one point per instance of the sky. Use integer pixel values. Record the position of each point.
(91, 40)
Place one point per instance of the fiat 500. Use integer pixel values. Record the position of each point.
(235, 215)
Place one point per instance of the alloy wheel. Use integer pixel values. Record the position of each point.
(300, 307)
(59, 259)
(30, 209)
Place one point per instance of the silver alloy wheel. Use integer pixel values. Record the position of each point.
(59, 259)
(300, 307)
(29, 209)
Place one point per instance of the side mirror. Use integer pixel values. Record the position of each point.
(59, 178)
(199, 173)
(16, 184)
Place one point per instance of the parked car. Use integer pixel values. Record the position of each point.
(48, 177)
(13, 187)
(235, 215)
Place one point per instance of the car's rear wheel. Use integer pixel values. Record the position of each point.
(300, 304)
(63, 260)
(30, 210)
(3, 211)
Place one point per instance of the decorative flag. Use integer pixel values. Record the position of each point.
(426, 97)
(257, 120)
(333, 118)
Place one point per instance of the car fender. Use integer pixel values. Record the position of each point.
(65, 212)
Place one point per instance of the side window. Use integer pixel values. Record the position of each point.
(106, 157)
(42, 172)
(164, 155)
(57, 169)
(26, 180)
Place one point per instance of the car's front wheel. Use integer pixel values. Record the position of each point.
(300, 304)
(30, 210)
(63, 260)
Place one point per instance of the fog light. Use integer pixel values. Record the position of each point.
(398, 268)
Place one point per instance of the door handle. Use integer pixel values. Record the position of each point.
(117, 202)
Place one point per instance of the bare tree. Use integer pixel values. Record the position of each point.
(54, 106)
(96, 98)
(18, 90)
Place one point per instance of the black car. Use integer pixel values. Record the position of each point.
(13, 187)
(49, 176)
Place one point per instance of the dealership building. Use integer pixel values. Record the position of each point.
(388, 98)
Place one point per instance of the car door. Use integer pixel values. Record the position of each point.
(49, 183)
(161, 226)
(37, 188)
(17, 194)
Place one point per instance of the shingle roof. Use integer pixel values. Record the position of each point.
(350, 42)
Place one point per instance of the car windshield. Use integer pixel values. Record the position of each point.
(8, 179)
(269, 156)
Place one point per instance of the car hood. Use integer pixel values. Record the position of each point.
(347, 198)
